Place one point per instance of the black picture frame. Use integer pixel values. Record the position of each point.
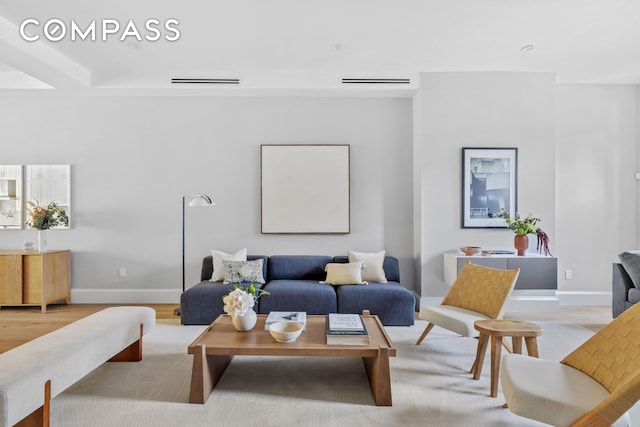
(489, 184)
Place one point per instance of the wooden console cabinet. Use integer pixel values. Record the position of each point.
(35, 278)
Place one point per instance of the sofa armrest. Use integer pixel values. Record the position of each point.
(620, 285)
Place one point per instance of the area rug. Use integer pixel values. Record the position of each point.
(431, 386)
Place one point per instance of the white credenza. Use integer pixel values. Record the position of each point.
(537, 283)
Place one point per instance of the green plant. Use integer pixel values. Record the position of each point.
(46, 217)
(517, 224)
(523, 226)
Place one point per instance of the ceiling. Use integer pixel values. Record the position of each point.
(316, 43)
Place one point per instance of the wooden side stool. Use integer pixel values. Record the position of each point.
(497, 329)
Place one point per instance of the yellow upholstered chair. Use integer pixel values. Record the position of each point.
(478, 293)
(593, 386)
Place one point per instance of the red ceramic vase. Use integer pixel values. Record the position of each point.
(521, 244)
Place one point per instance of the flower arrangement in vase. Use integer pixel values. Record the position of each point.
(45, 217)
(522, 227)
(239, 305)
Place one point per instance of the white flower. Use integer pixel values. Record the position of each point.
(238, 302)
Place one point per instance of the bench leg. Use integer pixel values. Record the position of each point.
(133, 353)
(40, 417)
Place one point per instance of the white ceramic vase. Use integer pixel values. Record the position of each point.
(246, 322)
(42, 240)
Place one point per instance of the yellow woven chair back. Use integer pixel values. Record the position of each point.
(482, 289)
(612, 355)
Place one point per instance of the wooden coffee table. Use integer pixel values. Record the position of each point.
(215, 347)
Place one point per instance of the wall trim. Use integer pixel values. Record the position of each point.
(125, 296)
(584, 298)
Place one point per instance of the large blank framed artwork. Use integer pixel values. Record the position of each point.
(305, 189)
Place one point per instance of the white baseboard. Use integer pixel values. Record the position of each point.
(584, 298)
(125, 296)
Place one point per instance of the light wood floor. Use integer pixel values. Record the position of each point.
(21, 324)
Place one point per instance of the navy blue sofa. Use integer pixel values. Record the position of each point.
(294, 285)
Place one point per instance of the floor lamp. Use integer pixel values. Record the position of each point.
(194, 201)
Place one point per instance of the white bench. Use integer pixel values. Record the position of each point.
(34, 373)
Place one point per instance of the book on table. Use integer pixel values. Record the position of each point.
(346, 329)
(286, 316)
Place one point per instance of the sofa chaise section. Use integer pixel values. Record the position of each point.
(392, 303)
(202, 303)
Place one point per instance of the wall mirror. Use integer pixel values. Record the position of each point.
(10, 197)
(38, 184)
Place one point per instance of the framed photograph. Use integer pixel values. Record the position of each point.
(489, 184)
(305, 189)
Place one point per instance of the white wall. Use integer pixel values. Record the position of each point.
(597, 195)
(134, 157)
(484, 109)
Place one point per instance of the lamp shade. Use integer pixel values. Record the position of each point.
(201, 200)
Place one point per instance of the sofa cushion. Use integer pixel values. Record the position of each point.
(243, 271)
(297, 267)
(349, 273)
(372, 265)
(631, 262)
(634, 295)
(309, 296)
(219, 256)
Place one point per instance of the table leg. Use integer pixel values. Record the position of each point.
(532, 346)
(379, 376)
(205, 373)
(496, 348)
(517, 344)
(476, 370)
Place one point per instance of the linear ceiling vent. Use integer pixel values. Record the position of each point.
(206, 81)
(377, 81)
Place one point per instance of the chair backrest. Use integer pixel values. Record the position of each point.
(482, 289)
(612, 357)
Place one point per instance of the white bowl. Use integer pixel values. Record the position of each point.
(285, 331)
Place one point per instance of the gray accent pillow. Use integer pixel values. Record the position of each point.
(631, 262)
(243, 271)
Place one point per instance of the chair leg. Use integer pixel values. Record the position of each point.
(424, 334)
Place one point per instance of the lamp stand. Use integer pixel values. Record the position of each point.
(197, 200)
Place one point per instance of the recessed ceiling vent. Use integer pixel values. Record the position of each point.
(377, 81)
(206, 81)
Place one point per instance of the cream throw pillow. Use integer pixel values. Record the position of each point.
(218, 256)
(344, 273)
(371, 265)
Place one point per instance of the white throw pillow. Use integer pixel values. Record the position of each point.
(344, 273)
(371, 265)
(218, 256)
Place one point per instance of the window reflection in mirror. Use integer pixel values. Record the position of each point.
(49, 183)
(10, 197)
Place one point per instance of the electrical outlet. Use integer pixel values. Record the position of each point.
(122, 272)
(568, 274)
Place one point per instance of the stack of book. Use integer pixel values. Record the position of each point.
(346, 329)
